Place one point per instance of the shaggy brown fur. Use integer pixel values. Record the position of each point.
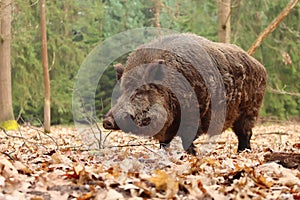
(244, 79)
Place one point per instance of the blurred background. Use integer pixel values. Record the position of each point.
(75, 27)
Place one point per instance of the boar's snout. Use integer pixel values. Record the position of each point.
(109, 122)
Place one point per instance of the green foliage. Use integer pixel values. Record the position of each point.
(197, 16)
(26, 73)
(274, 52)
(123, 15)
(75, 27)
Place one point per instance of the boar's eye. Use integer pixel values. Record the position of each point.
(146, 121)
(139, 93)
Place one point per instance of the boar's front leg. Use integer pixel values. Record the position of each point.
(190, 149)
(243, 130)
(188, 137)
(164, 139)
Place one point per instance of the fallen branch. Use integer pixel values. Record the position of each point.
(133, 145)
(25, 140)
(289, 160)
(271, 27)
(276, 91)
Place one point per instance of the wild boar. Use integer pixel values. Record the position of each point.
(186, 85)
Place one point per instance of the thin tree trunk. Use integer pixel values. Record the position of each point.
(6, 109)
(158, 6)
(47, 116)
(271, 27)
(224, 28)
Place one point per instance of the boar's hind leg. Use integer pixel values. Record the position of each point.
(243, 129)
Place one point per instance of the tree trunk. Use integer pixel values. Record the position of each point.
(224, 21)
(47, 114)
(6, 109)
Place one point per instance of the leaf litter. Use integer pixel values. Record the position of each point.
(34, 165)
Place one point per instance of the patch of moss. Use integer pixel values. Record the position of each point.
(9, 125)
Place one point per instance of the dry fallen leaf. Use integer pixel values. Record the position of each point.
(24, 169)
(296, 145)
(261, 179)
(58, 158)
(165, 182)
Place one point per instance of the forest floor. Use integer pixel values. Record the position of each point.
(37, 166)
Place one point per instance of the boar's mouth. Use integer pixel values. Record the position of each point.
(145, 126)
(145, 122)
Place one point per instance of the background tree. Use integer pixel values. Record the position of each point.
(75, 27)
(279, 52)
(47, 114)
(224, 29)
(6, 109)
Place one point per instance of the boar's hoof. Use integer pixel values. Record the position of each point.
(244, 141)
(164, 145)
(191, 150)
(242, 147)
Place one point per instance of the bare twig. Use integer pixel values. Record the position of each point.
(34, 3)
(8, 155)
(271, 27)
(91, 121)
(132, 145)
(106, 138)
(100, 133)
(11, 136)
(138, 145)
(48, 135)
(151, 150)
(235, 4)
(39, 131)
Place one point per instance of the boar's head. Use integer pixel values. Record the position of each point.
(145, 107)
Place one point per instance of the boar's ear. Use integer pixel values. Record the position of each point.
(155, 71)
(119, 70)
(159, 61)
